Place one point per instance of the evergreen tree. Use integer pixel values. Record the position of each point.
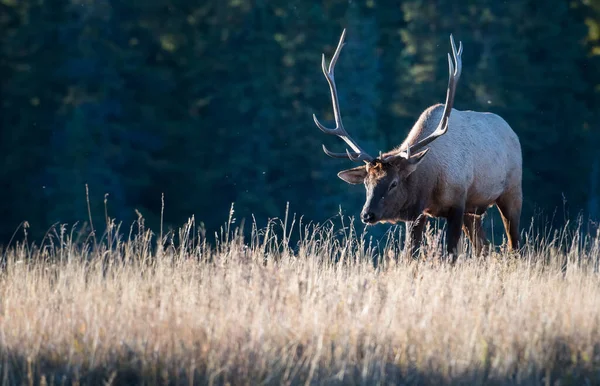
(211, 103)
(519, 62)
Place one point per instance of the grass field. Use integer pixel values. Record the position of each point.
(332, 308)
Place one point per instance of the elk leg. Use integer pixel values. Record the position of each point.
(415, 232)
(509, 204)
(473, 229)
(454, 224)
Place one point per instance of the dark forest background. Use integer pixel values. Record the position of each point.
(210, 102)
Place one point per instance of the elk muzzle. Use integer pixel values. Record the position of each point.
(367, 217)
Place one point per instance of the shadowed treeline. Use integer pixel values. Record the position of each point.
(211, 102)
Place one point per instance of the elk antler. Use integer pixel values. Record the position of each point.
(358, 154)
(442, 127)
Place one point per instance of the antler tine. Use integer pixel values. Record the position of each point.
(358, 153)
(353, 156)
(455, 72)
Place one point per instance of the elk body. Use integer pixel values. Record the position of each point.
(453, 165)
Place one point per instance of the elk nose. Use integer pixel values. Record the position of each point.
(368, 217)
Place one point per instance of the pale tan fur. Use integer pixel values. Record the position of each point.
(461, 163)
(475, 162)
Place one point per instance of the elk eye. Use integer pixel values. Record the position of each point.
(393, 185)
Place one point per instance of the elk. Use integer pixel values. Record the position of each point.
(453, 164)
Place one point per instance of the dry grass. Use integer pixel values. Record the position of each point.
(266, 311)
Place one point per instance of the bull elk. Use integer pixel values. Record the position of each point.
(455, 174)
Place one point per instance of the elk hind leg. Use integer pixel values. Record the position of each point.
(509, 204)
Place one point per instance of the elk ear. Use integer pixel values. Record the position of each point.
(408, 165)
(355, 175)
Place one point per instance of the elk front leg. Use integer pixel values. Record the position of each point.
(415, 235)
(453, 231)
(474, 230)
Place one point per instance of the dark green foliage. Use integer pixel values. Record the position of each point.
(210, 102)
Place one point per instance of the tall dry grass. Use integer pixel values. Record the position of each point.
(334, 308)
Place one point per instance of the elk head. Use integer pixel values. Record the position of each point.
(386, 178)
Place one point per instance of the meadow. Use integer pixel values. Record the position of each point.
(333, 306)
